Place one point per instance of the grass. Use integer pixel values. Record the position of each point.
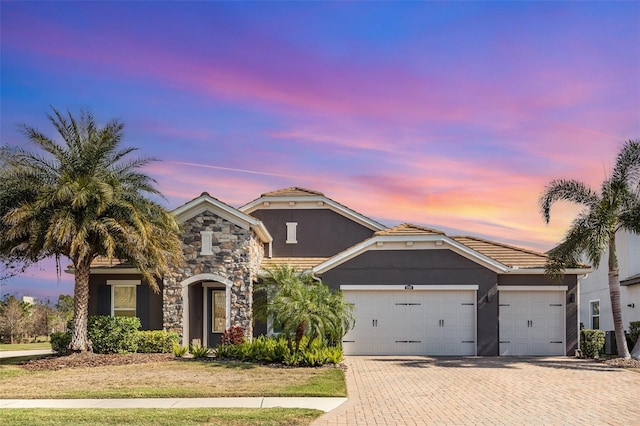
(24, 346)
(145, 416)
(170, 379)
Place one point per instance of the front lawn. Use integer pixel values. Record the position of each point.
(24, 346)
(183, 416)
(172, 378)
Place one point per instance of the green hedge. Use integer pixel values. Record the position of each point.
(157, 341)
(60, 342)
(591, 342)
(118, 335)
(269, 350)
(113, 335)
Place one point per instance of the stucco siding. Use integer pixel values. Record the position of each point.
(99, 305)
(319, 232)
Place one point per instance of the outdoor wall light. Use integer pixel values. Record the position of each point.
(572, 298)
(488, 297)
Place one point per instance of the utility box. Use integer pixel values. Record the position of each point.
(610, 346)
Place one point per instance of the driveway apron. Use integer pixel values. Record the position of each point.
(486, 391)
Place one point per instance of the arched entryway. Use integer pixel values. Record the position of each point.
(206, 301)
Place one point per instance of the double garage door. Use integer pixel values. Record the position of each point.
(412, 322)
(443, 322)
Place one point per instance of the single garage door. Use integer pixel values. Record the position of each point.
(532, 322)
(412, 322)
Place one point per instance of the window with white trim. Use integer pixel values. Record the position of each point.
(123, 300)
(219, 311)
(206, 243)
(594, 312)
(291, 233)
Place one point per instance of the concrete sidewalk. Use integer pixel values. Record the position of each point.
(16, 354)
(322, 404)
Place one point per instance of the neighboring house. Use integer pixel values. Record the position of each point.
(595, 304)
(415, 289)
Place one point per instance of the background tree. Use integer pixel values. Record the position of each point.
(83, 197)
(299, 305)
(15, 318)
(593, 231)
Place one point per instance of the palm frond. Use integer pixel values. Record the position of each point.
(566, 190)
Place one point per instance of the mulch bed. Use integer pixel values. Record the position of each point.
(623, 363)
(81, 360)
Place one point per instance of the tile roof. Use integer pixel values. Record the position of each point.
(294, 191)
(409, 229)
(299, 263)
(503, 253)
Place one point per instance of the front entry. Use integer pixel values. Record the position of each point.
(216, 317)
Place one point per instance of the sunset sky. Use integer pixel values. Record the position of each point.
(449, 115)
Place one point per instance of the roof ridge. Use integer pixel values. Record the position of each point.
(281, 191)
(408, 225)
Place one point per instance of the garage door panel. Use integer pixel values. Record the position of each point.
(531, 322)
(412, 323)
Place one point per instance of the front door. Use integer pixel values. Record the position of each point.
(216, 317)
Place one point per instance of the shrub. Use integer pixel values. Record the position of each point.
(634, 332)
(277, 350)
(157, 341)
(179, 351)
(60, 342)
(113, 334)
(200, 351)
(233, 336)
(591, 342)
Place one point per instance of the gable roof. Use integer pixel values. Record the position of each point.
(206, 202)
(301, 198)
(498, 257)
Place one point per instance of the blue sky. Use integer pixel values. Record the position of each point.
(452, 115)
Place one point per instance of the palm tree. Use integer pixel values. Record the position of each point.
(593, 231)
(83, 198)
(299, 305)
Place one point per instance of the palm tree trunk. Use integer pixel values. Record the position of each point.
(614, 294)
(79, 339)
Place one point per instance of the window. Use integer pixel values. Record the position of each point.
(594, 307)
(123, 300)
(291, 233)
(206, 238)
(219, 311)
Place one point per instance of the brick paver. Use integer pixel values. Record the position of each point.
(486, 391)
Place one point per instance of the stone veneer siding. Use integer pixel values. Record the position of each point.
(237, 254)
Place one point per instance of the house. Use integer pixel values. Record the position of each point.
(415, 289)
(595, 304)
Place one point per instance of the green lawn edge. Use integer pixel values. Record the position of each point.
(149, 416)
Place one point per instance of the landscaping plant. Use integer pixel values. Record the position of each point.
(591, 342)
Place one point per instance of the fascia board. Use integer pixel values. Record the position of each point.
(313, 201)
(541, 271)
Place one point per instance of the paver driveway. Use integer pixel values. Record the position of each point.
(487, 391)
